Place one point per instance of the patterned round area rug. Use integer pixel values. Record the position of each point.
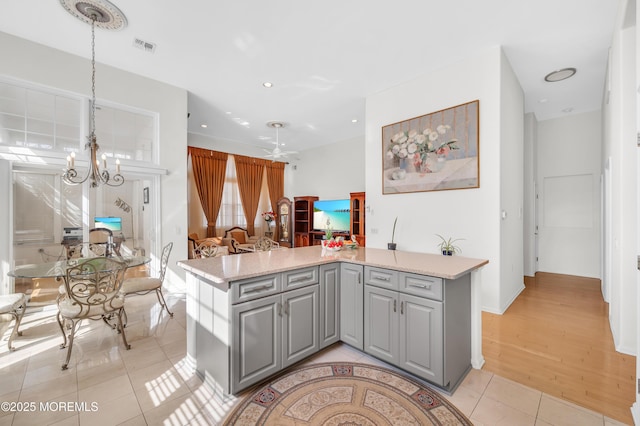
(345, 394)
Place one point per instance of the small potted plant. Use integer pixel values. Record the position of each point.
(447, 247)
(392, 245)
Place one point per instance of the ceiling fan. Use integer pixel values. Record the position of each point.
(277, 153)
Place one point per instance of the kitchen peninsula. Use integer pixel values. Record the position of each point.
(252, 315)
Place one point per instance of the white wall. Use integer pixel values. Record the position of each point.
(568, 177)
(41, 65)
(511, 185)
(330, 172)
(620, 133)
(530, 165)
(472, 214)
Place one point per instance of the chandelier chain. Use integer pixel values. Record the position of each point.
(93, 74)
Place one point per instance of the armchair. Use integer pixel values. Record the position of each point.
(236, 236)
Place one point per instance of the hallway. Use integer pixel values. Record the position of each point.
(555, 338)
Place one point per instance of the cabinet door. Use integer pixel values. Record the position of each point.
(421, 338)
(299, 324)
(255, 349)
(351, 305)
(381, 323)
(329, 304)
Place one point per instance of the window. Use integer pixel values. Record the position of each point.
(125, 134)
(38, 120)
(43, 206)
(231, 213)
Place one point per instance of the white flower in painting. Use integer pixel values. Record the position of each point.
(395, 149)
(433, 136)
(412, 134)
(403, 153)
(390, 155)
(412, 148)
(420, 139)
(399, 138)
(426, 132)
(442, 129)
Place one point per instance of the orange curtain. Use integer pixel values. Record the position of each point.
(249, 172)
(275, 183)
(209, 170)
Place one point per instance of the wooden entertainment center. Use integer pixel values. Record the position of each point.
(305, 235)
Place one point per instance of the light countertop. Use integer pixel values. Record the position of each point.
(224, 269)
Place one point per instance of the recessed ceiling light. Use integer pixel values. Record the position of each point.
(204, 126)
(355, 120)
(568, 109)
(560, 75)
(267, 84)
(543, 101)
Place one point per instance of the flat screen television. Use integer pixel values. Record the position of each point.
(334, 214)
(112, 223)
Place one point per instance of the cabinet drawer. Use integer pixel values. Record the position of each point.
(379, 277)
(254, 288)
(300, 278)
(421, 285)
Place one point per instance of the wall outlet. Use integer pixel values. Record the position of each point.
(374, 230)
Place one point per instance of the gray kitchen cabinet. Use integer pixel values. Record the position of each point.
(273, 331)
(299, 324)
(351, 305)
(408, 323)
(381, 328)
(256, 352)
(329, 304)
(421, 337)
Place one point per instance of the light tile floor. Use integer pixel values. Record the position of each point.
(151, 384)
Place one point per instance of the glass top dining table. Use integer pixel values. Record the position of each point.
(59, 268)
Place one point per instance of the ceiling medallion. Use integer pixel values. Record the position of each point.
(107, 16)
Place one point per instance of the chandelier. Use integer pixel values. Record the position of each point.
(105, 15)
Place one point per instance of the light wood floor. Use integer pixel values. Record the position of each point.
(555, 338)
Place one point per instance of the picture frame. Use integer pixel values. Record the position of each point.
(433, 152)
(145, 195)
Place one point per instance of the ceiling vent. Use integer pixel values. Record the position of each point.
(144, 45)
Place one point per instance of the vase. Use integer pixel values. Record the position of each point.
(434, 163)
(403, 164)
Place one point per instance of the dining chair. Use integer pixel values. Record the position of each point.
(145, 285)
(205, 250)
(265, 244)
(13, 304)
(103, 237)
(92, 291)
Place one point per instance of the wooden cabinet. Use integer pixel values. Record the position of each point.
(357, 217)
(406, 324)
(351, 305)
(329, 304)
(303, 220)
(285, 222)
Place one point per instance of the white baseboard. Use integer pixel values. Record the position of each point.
(635, 413)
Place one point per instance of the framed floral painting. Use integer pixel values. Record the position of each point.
(433, 152)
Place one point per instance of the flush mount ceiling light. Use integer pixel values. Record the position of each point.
(560, 75)
(103, 14)
(267, 84)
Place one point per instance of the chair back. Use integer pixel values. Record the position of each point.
(166, 251)
(103, 237)
(81, 250)
(93, 285)
(265, 244)
(205, 250)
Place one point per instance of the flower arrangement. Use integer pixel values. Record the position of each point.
(269, 217)
(415, 146)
